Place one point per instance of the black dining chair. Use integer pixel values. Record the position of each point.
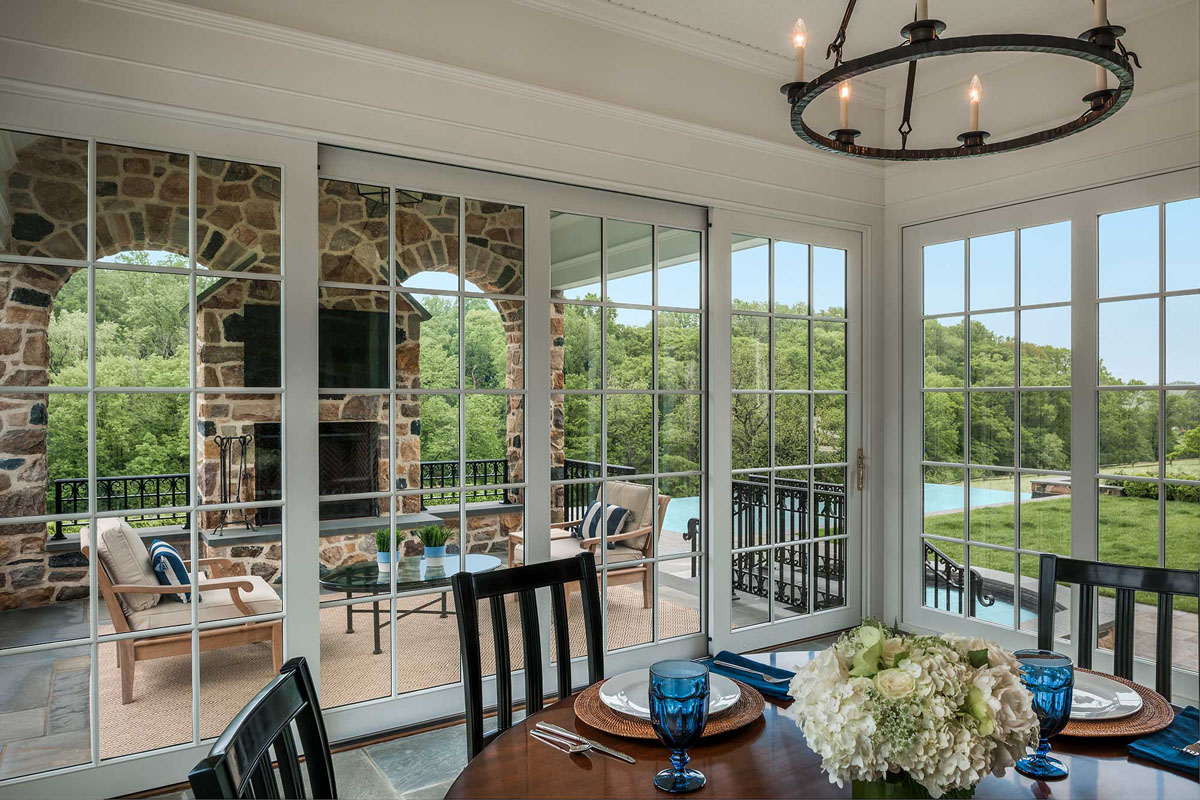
(524, 581)
(1127, 580)
(239, 764)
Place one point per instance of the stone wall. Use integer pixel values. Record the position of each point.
(142, 204)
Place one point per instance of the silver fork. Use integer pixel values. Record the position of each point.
(761, 675)
(561, 745)
(1192, 749)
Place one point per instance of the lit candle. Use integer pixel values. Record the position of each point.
(844, 94)
(974, 94)
(922, 9)
(1101, 7)
(799, 37)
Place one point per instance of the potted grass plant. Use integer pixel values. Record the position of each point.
(383, 549)
(434, 537)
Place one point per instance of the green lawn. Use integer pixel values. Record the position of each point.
(1128, 535)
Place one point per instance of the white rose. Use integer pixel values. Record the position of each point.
(895, 684)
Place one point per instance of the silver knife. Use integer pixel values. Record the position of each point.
(546, 726)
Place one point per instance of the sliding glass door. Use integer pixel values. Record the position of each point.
(790, 509)
(143, 284)
(497, 358)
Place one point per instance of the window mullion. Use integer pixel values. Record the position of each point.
(1162, 381)
(1085, 371)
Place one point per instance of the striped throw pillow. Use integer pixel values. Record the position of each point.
(170, 568)
(617, 517)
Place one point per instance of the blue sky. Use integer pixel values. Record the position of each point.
(750, 275)
(1128, 265)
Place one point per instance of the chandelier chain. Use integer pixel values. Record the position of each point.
(906, 124)
(835, 47)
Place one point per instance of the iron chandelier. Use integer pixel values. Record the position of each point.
(1100, 45)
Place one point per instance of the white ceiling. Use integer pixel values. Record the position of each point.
(758, 32)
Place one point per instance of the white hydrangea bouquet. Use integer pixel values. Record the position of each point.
(901, 715)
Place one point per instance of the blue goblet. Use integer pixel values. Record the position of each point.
(1050, 677)
(679, 712)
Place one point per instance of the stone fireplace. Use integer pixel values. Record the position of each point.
(141, 205)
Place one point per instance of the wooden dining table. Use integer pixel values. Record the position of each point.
(769, 759)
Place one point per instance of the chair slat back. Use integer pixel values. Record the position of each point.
(1127, 581)
(239, 763)
(523, 581)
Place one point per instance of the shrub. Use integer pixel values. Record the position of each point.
(1186, 494)
(1140, 489)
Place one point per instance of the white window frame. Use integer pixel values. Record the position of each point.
(725, 224)
(538, 198)
(1083, 209)
(297, 160)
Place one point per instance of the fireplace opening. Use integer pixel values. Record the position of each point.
(348, 463)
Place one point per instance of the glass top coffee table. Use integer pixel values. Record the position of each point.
(412, 572)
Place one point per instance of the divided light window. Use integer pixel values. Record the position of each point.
(999, 485)
(790, 464)
(627, 382)
(1148, 394)
(997, 419)
(420, 363)
(140, 292)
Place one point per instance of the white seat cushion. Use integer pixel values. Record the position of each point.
(214, 604)
(569, 548)
(127, 561)
(639, 499)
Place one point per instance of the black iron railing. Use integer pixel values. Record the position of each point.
(483, 473)
(124, 493)
(944, 584)
(786, 569)
(578, 496)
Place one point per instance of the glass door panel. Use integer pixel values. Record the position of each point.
(792, 567)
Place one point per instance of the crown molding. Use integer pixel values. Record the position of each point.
(310, 42)
(660, 31)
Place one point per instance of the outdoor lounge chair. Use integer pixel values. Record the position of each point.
(633, 543)
(136, 601)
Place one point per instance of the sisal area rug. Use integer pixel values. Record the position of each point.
(427, 656)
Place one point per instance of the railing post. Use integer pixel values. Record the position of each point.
(58, 534)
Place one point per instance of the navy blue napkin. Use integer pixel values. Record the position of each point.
(1160, 747)
(776, 690)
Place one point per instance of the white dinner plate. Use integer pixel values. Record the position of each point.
(629, 693)
(1096, 697)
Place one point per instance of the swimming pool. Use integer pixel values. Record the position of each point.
(679, 511)
(1000, 612)
(940, 497)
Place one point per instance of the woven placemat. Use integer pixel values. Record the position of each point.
(1154, 715)
(590, 709)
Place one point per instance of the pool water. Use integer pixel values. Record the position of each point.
(679, 511)
(999, 612)
(940, 497)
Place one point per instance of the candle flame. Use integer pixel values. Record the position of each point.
(976, 90)
(799, 33)
(844, 91)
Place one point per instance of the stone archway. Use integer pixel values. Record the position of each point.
(142, 204)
